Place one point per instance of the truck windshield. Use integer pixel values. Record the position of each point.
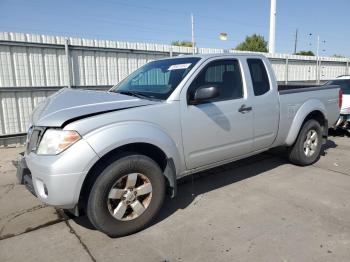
(157, 79)
(343, 84)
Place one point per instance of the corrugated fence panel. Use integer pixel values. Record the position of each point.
(101, 68)
(132, 63)
(122, 66)
(78, 68)
(10, 114)
(112, 68)
(21, 66)
(62, 68)
(279, 67)
(51, 67)
(330, 70)
(38, 97)
(25, 107)
(36, 64)
(6, 69)
(301, 70)
(90, 68)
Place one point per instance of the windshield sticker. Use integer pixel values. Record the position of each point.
(179, 66)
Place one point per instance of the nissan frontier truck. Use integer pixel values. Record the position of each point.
(114, 155)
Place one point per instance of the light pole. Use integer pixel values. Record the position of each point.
(193, 41)
(272, 37)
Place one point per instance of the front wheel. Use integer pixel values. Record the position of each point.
(126, 196)
(306, 149)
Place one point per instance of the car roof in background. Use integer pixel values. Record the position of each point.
(206, 56)
(344, 77)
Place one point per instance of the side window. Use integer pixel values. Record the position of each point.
(224, 74)
(259, 76)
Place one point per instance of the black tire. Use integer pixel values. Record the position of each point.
(97, 207)
(296, 152)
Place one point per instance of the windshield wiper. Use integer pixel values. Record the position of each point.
(131, 93)
(138, 95)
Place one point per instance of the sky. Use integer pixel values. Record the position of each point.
(161, 21)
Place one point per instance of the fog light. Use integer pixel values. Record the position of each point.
(41, 188)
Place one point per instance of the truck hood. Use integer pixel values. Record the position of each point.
(70, 104)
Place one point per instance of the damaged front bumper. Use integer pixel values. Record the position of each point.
(23, 174)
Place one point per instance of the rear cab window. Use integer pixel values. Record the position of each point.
(258, 73)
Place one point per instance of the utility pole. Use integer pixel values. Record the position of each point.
(193, 42)
(296, 41)
(272, 27)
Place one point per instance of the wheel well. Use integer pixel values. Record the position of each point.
(316, 115)
(320, 118)
(153, 152)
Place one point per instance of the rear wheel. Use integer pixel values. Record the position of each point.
(126, 196)
(306, 149)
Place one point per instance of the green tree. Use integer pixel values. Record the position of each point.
(182, 43)
(255, 43)
(308, 53)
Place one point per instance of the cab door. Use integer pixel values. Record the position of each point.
(265, 102)
(222, 128)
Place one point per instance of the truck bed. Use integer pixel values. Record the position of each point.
(288, 89)
(293, 97)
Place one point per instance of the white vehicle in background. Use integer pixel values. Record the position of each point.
(344, 83)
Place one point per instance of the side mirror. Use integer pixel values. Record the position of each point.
(204, 94)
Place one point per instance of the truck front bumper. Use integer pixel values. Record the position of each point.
(23, 174)
(57, 180)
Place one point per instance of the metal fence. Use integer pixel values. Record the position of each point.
(33, 67)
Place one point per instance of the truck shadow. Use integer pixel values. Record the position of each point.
(329, 145)
(192, 186)
(339, 132)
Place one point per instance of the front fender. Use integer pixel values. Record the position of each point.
(107, 138)
(308, 107)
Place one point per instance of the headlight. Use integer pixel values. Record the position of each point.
(55, 141)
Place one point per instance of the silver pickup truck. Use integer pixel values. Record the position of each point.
(114, 155)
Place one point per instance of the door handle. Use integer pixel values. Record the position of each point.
(244, 109)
